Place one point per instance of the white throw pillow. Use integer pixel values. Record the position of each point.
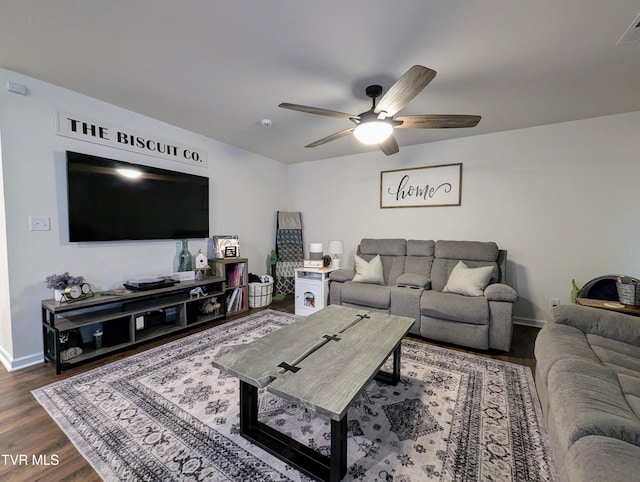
(369, 271)
(468, 281)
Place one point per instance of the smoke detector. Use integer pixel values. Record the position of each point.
(266, 122)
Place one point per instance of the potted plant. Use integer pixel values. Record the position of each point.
(59, 282)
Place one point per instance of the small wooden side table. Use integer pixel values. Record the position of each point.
(610, 305)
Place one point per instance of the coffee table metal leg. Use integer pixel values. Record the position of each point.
(307, 460)
(394, 377)
(338, 449)
(248, 407)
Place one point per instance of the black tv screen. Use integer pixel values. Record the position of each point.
(113, 200)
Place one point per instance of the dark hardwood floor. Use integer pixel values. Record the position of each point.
(26, 430)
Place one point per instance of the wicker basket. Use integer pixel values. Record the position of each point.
(260, 294)
(629, 293)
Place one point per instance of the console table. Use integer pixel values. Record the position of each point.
(127, 319)
(609, 305)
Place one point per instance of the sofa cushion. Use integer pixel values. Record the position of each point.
(630, 385)
(419, 257)
(420, 265)
(467, 250)
(371, 295)
(474, 254)
(596, 458)
(468, 281)
(587, 399)
(342, 275)
(413, 281)
(618, 356)
(557, 342)
(610, 324)
(369, 271)
(453, 307)
(420, 248)
(383, 247)
(393, 253)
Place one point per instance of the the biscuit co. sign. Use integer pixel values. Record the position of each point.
(98, 132)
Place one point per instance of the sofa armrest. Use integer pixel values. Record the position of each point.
(500, 292)
(610, 324)
(411, 280)
(342, 275)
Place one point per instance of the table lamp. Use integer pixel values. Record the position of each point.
(335, 249)
(315, 251)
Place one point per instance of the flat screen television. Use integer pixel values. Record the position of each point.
(112, 200)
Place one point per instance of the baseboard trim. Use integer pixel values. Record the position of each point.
(13, 364)
(5, 358)
(528, 322)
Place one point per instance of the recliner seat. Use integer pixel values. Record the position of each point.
(415, 274)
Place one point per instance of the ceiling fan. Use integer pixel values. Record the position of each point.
(376, 125)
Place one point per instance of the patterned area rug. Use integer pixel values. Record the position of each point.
(167, 414)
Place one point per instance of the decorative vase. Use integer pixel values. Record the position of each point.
(185, 263)
(57, 295)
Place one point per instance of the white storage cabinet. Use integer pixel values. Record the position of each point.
(312, 290)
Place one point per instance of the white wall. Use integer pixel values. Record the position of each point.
(560, 198)
(5, 305)
(246, 191)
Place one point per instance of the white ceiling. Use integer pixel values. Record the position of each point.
(218, 67)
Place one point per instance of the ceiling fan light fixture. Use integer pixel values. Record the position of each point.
(373, 131)
(376, 125)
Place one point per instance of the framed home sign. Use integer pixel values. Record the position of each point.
(422, 187)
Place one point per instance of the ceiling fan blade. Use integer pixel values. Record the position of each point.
(437, 121)
(318, 111)
(389, 146)
(406, 88)
(330, 138)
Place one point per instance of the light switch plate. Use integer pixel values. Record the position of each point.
(39, 223)
(16, 88)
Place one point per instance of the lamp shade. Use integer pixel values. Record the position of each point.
(315, 251)
(336, 247)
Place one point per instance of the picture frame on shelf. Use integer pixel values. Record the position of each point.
(312, 263)
(221, 243)
(230, 252)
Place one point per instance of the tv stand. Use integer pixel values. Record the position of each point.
(126, 320)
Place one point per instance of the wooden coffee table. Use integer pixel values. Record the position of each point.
(321, 362)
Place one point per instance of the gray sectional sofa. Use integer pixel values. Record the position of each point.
(418, 282)
(588, 382)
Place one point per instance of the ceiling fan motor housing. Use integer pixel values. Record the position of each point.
(373, 91)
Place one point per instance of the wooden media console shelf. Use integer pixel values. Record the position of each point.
(124, 320)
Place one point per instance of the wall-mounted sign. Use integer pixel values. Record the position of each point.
(421, 187)
(80, 127)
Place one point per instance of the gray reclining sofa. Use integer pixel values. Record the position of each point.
(416, 273)
(588, 382)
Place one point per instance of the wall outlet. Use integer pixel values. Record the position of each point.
(554, 302)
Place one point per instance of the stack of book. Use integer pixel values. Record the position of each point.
(235, 299)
